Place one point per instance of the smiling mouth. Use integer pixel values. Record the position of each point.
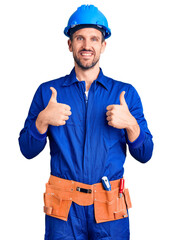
(86, 54)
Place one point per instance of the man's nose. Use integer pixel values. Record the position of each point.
(86, 44)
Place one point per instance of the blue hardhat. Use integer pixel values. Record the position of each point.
(87, 16)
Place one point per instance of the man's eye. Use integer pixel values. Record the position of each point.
(79, 38)
(94, 39)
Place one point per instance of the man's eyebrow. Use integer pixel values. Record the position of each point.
(92, 36)
(96, 36)
(78, 35)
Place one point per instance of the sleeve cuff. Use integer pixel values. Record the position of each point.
(138, 142)
(35, 133)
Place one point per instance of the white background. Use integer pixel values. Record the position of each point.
(33, 50)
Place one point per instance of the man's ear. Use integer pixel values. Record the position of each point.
(70, 45)
(103, 46)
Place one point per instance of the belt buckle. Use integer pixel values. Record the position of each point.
(84, 190)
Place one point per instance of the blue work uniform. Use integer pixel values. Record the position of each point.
(86, 148)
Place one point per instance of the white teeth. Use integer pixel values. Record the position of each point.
(86, 54)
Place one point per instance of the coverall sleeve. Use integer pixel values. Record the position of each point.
(32, 142)
(141, 149)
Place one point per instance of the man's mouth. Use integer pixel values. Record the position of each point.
(86, 53)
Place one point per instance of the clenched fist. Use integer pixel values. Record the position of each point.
(55, 114)
(119, 116)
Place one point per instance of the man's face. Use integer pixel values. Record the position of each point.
(87, 46)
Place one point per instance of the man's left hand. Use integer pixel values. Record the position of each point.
(119, 116)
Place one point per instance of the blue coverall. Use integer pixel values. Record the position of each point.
(86, 148)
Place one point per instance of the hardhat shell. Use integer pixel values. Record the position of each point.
(88, 14)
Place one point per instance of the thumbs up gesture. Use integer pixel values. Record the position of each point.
(55, 114)
(119, 116)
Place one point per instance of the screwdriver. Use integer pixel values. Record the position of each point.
(121, 187)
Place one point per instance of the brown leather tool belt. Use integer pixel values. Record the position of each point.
(108, 206)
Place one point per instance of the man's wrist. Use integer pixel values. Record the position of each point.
(133, 130)
(41, 123)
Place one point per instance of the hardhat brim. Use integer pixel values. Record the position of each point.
(68, 31)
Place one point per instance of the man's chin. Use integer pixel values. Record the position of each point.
(86, 66)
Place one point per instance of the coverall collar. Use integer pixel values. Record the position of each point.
(72, 79)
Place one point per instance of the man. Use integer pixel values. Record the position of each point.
(89, 118)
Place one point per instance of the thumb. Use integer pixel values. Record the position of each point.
(54, 95)
(122, 98)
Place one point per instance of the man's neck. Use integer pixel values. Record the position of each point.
(87, 75)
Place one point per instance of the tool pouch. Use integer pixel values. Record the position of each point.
(60, 193)
(108, 206)
(56, 202)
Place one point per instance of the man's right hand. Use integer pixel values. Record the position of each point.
(55, 114)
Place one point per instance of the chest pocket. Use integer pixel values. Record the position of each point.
(70, 121)
(77, 118)
(113, 135)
